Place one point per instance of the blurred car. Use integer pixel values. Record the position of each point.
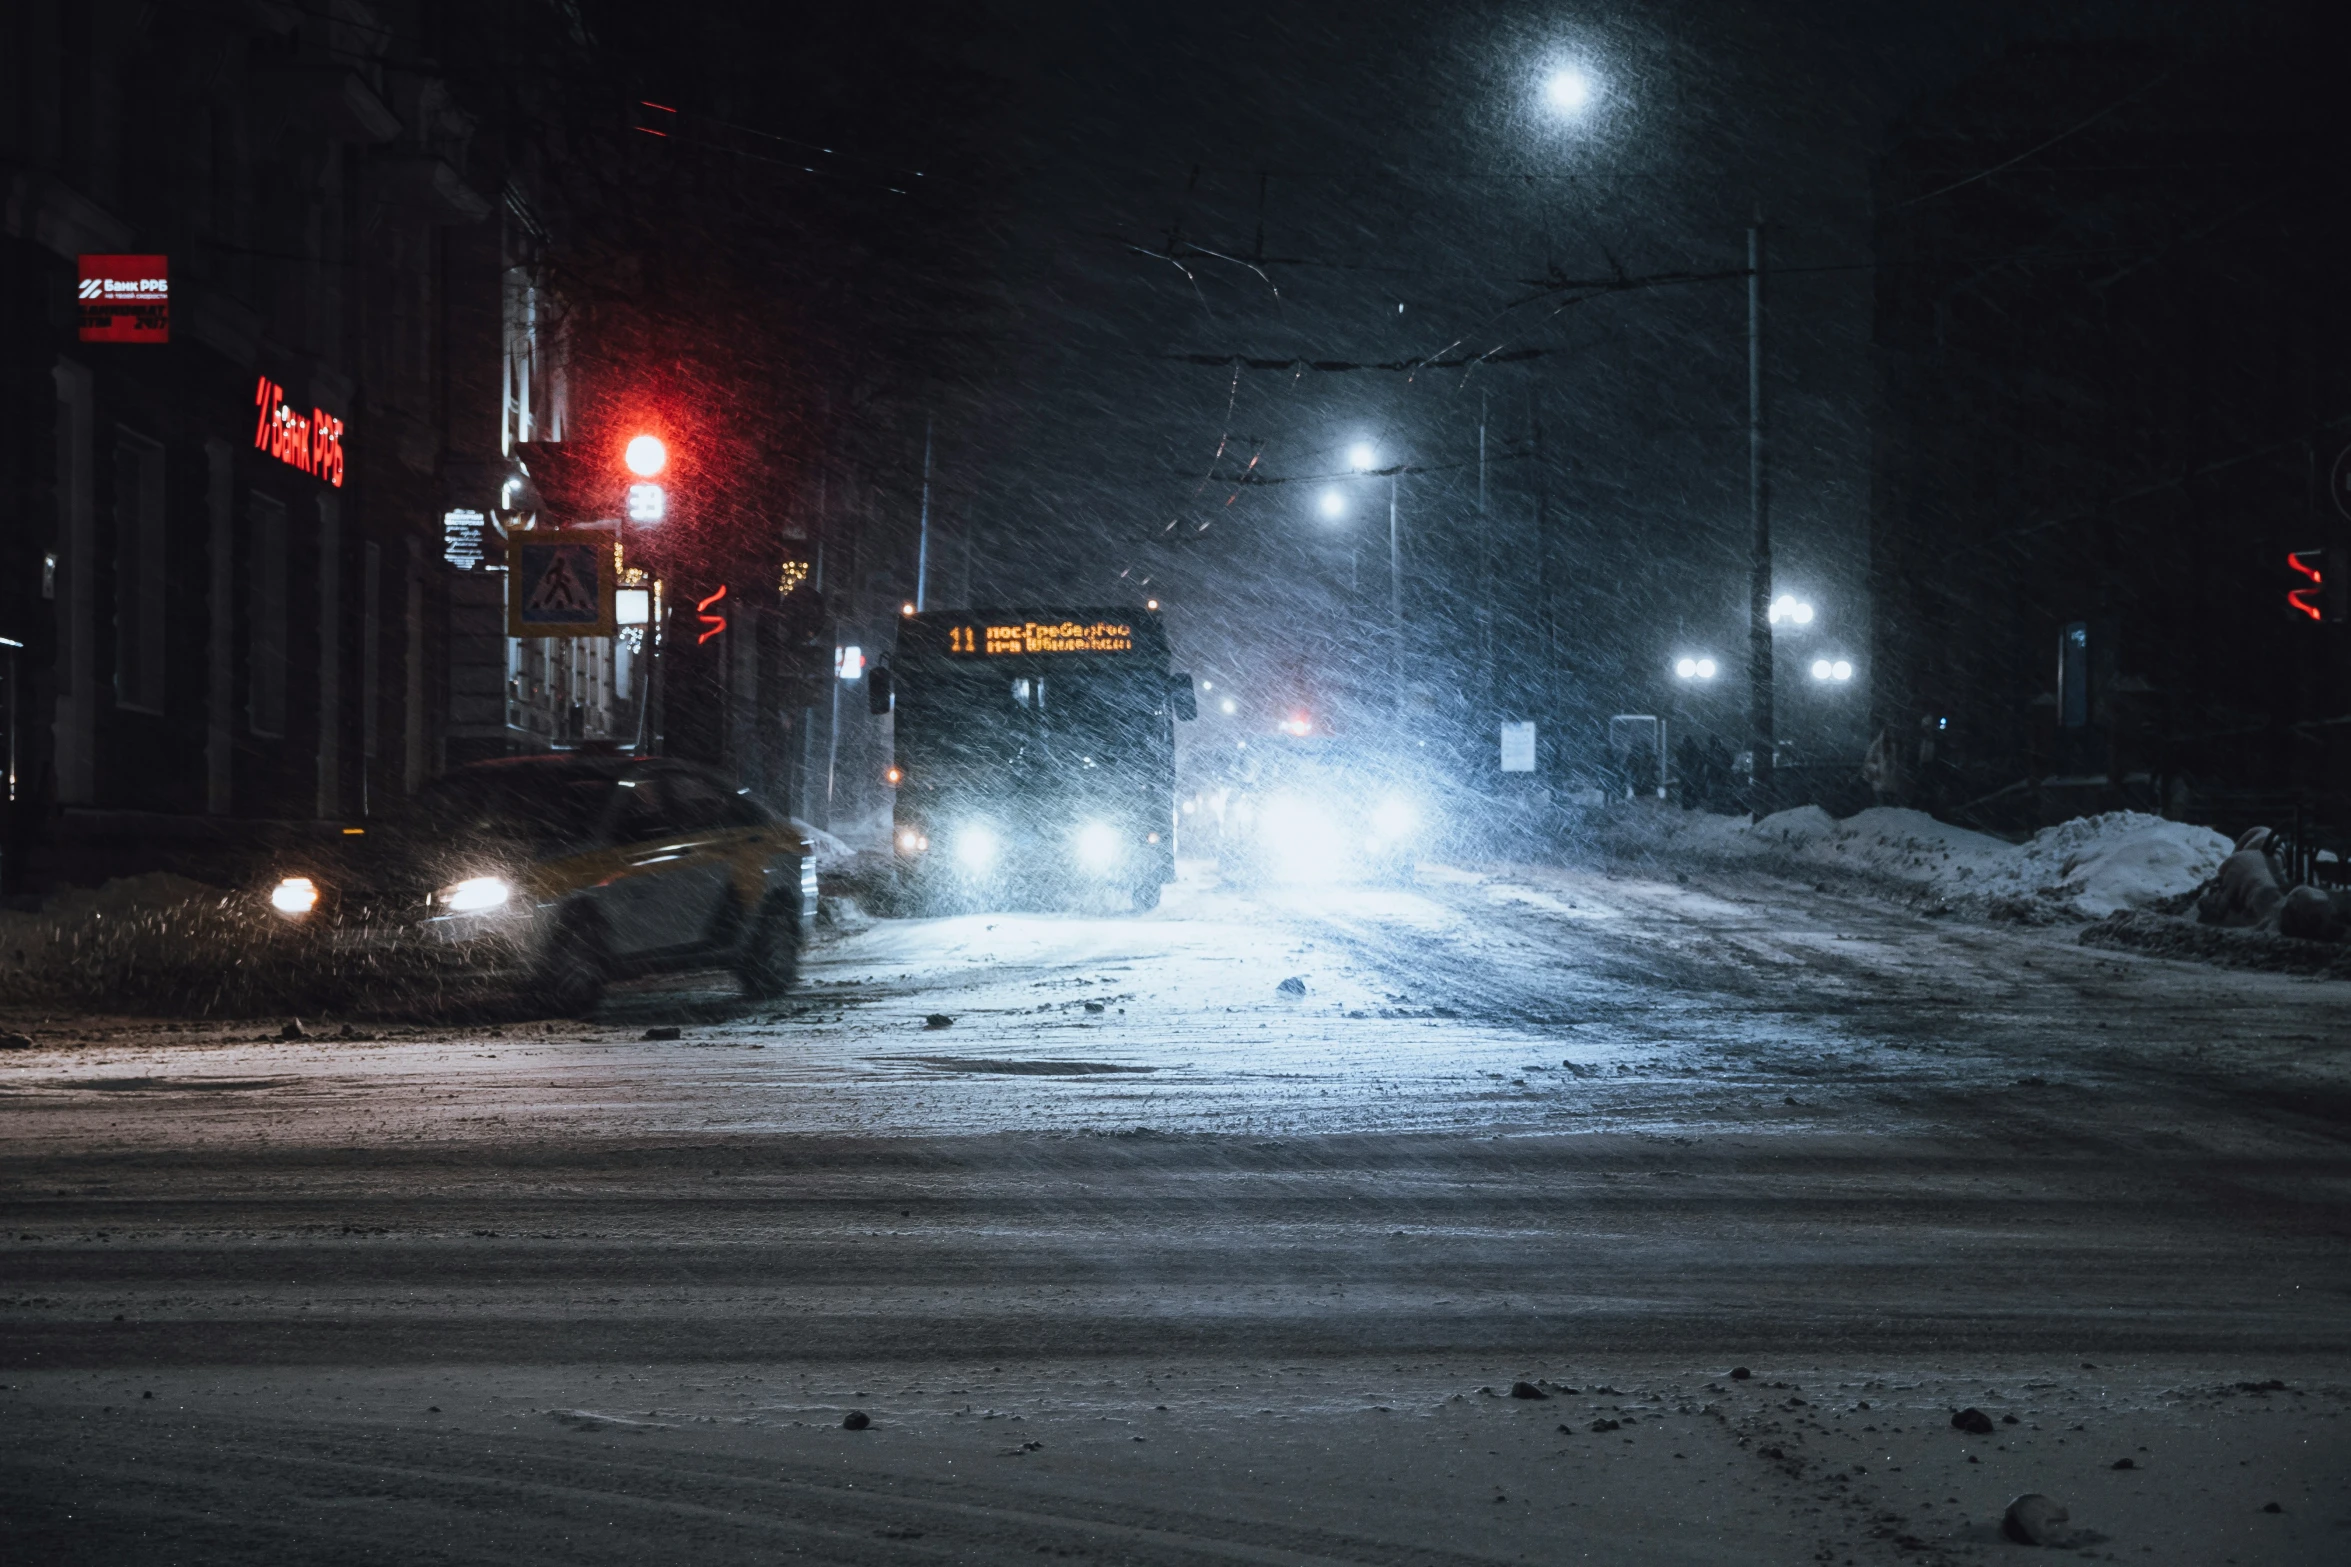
(1318, 808)
(559, 873)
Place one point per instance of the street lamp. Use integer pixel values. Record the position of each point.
(1363, 457)
(1334, 505)
(1569, 90)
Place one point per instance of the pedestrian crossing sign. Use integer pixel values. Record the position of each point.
(559, 584)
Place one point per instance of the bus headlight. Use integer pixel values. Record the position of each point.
(976, 846)
(475, 895)
(294, 897)
(1097, 846)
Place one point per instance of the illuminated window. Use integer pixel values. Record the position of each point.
(533, 390)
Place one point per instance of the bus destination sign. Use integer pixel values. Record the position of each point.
(1029, 636)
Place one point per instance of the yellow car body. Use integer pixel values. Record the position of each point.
(566, 871)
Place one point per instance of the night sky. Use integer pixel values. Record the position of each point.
(1380, 183)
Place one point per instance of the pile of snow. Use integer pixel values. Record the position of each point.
(2089, 867)
(2101, 865)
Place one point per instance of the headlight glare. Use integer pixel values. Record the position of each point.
(976, 846)
(1097, 846)
(1394, 817)
(296, 895)
(475, 894)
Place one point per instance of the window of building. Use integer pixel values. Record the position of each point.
(532, 395)
(139, 571)
(266, 620)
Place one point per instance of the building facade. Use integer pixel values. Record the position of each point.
(2113, 365)
(225, 548)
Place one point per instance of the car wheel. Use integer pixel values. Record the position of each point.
(771, 955)
(571, 977)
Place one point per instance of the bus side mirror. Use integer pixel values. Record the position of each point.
(1179, 690)
(877, 690)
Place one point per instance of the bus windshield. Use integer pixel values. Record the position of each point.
(1071, 713)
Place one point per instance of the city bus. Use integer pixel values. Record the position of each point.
(1033, 755)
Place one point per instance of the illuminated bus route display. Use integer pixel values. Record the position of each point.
(1029, 636)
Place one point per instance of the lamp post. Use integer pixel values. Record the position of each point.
(1759, 616)
(1363, 457)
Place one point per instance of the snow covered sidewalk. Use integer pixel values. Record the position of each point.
(2086, 869)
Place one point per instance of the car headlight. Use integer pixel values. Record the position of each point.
(475, 894)
(912, 840)
(1395, 817)
(296, 895)
(1304, 839)
(1097, 846)
(1290, 818)
(976, 846)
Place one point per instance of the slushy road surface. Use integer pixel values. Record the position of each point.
(1147, 1256)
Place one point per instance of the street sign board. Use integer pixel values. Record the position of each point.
(559, 584)
(125, 299)
(1518, 748)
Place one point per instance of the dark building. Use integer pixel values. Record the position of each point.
(2113, 361)
(222, 553)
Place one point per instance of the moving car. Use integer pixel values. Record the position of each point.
(1318, 808)
(562, 872)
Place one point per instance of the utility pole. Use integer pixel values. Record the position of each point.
(1395, 604)
(1759, 659)
(922, 549)
(1538, 701)
(1485, 574)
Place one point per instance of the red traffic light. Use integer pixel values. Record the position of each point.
(645, 455)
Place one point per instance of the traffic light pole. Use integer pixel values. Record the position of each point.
(1759, 654)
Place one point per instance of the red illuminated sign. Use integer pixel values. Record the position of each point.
(312, 442)
(717, 623)
(125, 299)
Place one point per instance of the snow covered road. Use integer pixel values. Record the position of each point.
(1609, 1132)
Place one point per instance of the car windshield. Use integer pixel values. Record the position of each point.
(547, 811)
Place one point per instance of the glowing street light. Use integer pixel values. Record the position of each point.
(1334, 505)
(1789, 610)
(1569, 90)
(1832, 669)
(1363, 457)
(1694, 668)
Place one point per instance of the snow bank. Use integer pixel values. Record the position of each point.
(2088, 868)
(2101, 865)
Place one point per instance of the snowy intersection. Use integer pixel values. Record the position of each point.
(1617, 1132)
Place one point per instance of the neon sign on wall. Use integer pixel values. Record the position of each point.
(312, 442)
(125, 299)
